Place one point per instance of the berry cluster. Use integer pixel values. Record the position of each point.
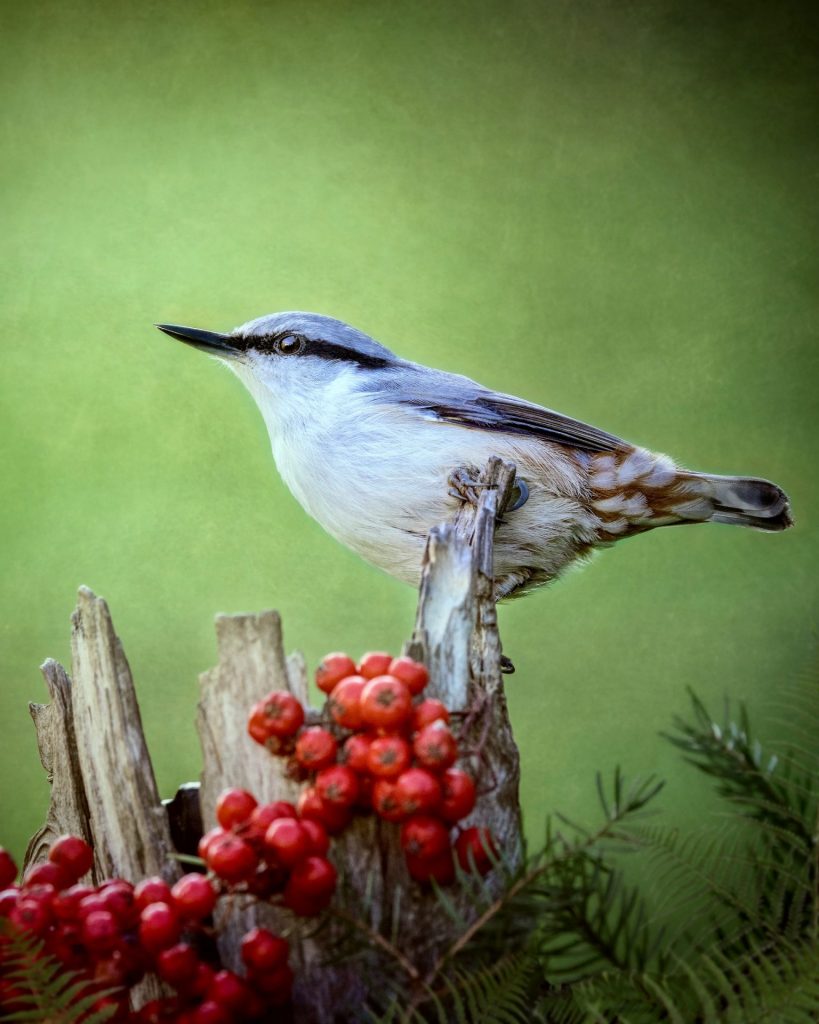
(384, 749)
(113, 934)
(269, 849)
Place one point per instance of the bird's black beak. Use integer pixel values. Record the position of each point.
(216, 344)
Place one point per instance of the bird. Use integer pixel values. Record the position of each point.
(378, 450)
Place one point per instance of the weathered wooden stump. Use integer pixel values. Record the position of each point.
(103, 788)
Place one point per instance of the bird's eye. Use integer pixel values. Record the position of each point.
(289, 345)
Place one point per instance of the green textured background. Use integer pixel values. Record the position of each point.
(607, 207)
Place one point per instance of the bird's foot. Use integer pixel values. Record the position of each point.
(506, 665)
(520, 495)
(465, 485)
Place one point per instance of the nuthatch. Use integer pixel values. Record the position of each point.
(373, 447)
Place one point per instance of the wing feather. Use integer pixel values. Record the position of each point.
(452, 399)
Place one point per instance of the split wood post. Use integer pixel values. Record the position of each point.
(95, 755)
(456, 636)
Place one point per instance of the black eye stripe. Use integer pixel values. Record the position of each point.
(272, 344)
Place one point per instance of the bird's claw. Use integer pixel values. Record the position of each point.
(506, 665)
(521, 489)
(464, 484)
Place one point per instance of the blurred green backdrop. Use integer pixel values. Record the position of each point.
(606, 207)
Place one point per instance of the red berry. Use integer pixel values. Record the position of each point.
(374, 663)
(43, 893)
(316, 748)
(287, 842)
(424, 836)
(315, 876)
(435, 747)
(388, 756)
(48, 874)
(178, 964)
(264, 951)
(440, 869)
(417, 791)
(257, 724)
(337, 786)
(100, 931)
(412, 673)
(364, 800)
(72, 854)
(66, 903)
(312, 806)
(263, 815)
(228, 990)
(457, 795)
(8, 869)
(131, 958)
(475, 849)
(88, 904)
(428, 711)
(354, 752)
(31, 915)
(231, 858)
(303, 905)
(206, 840)
(8, 900)
(345, 702)
(151, 890)
(197, 988)
(333, 668)
(282, 713)
(234, 807)
(65, 943)
(194, 897)
(385, 703)
(317, 834)
(385, 802)
(118, 896)
(311, 886)
(210, 1012)
(158, 927)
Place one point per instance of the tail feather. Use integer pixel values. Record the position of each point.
(746, 501)
(639, 490)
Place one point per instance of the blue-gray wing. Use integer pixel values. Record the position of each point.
(454, 399)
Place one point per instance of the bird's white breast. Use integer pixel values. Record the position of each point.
(375, 474)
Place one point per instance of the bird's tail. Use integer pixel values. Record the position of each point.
(736, 500)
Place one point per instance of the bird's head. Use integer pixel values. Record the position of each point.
(287, 358)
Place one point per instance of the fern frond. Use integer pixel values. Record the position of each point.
(784, 797)
(498, 994)
(49, 992)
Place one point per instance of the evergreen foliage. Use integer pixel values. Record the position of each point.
(722, 929)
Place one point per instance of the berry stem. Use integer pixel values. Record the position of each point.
(379, 940)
